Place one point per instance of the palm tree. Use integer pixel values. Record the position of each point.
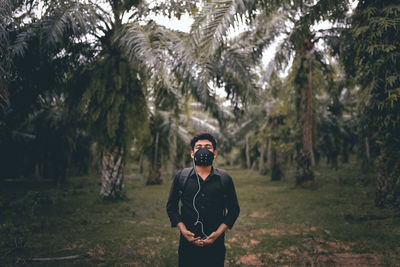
(373, 58)
(114, 80)
(5, 15)
(130, 60)
(182, 72)
(266, 20)
(41, 129)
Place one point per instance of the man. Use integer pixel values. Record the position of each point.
(205, 193)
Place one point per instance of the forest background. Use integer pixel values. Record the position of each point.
(99, 90)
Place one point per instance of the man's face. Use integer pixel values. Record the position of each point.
(203, 144)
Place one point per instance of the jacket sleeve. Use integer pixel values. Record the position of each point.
(232, 205)
(173, 202)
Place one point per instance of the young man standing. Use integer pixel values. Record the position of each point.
(209, 206)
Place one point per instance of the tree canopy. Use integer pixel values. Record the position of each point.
(99, 85)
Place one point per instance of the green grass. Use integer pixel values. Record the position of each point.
(333, 223)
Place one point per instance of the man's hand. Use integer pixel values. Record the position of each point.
(214, 235)
(189, 235)
(210, 239)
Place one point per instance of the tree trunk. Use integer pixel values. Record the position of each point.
(276, 171)
(305, 155)
(269, 155)
(155, 164)
(261, 159)
(335, 153)
(154, 174)
(37, 170)
(112, 173)
(367, 153)
(141, 163)
(366, 163)
(345, 158)
(307, 119)
(248, 162)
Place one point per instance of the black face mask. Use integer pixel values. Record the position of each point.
(203, 157)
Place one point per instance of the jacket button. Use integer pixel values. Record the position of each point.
(203, 195)
(202, 207)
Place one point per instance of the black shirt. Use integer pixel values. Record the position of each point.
(209, 202)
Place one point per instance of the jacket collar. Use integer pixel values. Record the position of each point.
(214, 171)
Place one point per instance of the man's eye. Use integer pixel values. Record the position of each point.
(205, 146)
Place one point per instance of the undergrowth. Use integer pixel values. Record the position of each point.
(333, 223)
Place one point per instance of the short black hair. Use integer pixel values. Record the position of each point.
(203, 136)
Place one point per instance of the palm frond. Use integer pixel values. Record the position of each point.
(157, 49)
(198, 122)
(193, 75)
(243, 129)
(135, 40)
(20, 45)
(211, 26)
(325, 10)
(284, 54)
(202, 125)
(76, 19)
(183, 134)
(236, 74)
(266, 30)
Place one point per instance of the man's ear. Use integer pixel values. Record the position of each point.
(192, 154)
(215, 153)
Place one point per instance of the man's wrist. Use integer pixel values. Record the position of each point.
(181, 226)
(221, 229)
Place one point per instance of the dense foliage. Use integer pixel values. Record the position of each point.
(97, 85)
(376, 63)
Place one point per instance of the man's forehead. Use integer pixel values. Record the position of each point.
(203, 142)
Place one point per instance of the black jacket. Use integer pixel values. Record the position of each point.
(209, 202)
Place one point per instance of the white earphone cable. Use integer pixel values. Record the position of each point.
(194, 204)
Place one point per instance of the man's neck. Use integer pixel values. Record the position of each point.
(203, 171)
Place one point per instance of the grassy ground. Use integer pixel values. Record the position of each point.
(334, 223)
